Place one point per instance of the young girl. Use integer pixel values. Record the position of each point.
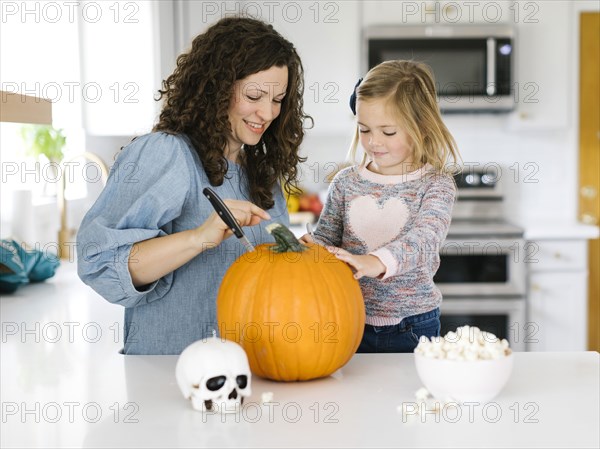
(387, 216)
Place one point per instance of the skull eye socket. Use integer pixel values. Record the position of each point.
(242, 381)
(215, 383)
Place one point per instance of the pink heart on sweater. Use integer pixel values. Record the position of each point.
(374, 224)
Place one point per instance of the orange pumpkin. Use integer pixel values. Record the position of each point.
(296, 309)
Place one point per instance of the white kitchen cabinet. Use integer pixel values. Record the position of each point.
(119, 77)
(557, 296)
(440, 12)
(544, 64)
(325, 36)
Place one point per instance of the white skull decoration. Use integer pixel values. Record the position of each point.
(214, 374)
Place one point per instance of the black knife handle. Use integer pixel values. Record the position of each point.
(223, 211)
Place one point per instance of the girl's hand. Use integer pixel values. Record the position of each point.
(214, 230)
(306, 238)
(365, 265)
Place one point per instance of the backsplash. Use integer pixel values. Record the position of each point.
(538, 168)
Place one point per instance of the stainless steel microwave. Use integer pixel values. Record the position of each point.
(473, 65)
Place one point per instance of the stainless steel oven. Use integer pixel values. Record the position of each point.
(482, 274)
(504, 317)
(481, 265)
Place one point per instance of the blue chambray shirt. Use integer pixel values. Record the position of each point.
(155, 189)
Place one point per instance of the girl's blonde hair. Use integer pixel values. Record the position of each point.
(409, 89)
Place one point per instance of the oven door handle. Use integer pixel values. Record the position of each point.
(482, 305)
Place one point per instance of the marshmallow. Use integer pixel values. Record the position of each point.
(267, 396)
(467, 343)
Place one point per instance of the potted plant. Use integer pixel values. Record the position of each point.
(47, 141)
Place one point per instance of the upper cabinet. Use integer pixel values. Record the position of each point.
(544, 63)
(440, 12)
(324, 34)
(327, 40)
(119, 78)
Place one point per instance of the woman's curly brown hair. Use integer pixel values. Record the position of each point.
(198, 94)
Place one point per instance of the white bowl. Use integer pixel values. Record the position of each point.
(464, 380)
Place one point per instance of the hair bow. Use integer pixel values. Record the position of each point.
(353, 97)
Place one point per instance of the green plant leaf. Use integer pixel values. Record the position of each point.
(44, 139)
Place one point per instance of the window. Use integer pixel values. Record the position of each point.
(95, 62)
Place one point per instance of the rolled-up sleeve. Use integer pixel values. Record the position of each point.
(146, 190)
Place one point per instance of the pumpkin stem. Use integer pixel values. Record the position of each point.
(285, 239)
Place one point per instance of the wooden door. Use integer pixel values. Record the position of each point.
(589, 158)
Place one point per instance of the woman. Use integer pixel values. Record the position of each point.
(231, 119)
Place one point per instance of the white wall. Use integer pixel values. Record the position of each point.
(536, 145)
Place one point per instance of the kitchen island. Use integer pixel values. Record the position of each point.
(64, 384)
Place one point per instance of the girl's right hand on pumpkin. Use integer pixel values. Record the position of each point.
(214, 230)
(306, 238)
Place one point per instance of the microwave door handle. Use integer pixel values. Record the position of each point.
(491, 66)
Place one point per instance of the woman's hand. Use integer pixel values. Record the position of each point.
(151, 259)
(365, 265)
(214, 230)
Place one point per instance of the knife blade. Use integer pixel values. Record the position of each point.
(226, 215)
(310, 230)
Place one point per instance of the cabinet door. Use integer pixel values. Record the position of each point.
(543, 64)
(119, 77)
(559, 256)
(438, 12)
(557, 311)
(327, 38)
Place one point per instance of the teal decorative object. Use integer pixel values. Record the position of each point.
(20, 266)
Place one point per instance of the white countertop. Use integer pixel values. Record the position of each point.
(559, 230)
(536, 230)
(75, 390)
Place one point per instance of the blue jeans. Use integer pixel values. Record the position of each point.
(401, 337)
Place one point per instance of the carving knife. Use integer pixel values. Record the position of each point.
(226, 215)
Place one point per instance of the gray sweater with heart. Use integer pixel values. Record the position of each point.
(403, 220)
